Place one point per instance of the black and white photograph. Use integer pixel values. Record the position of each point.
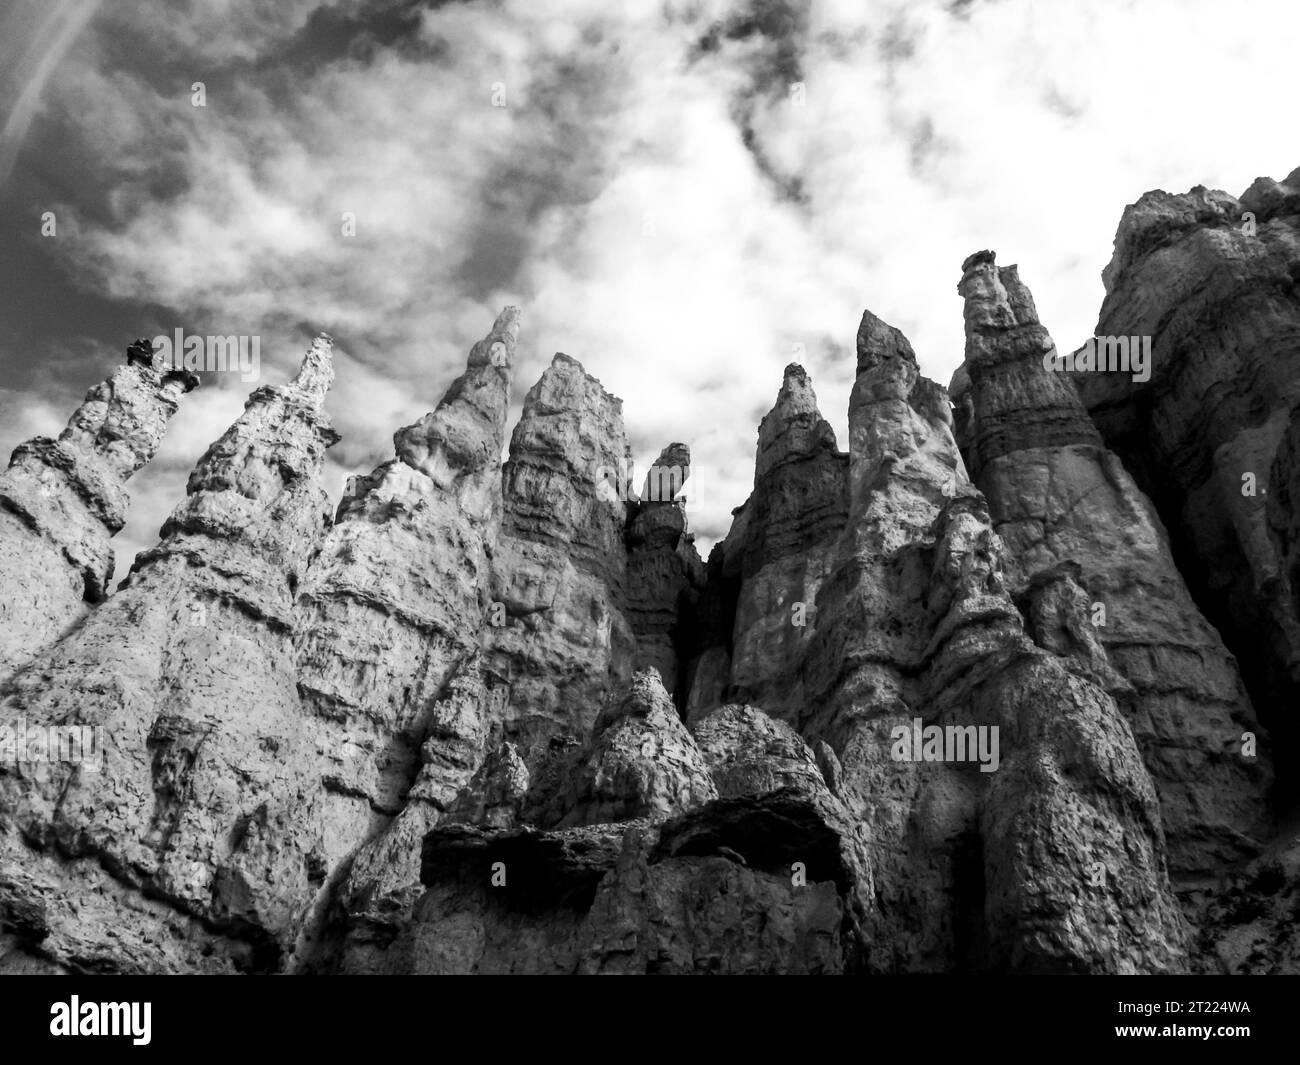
(650, 487)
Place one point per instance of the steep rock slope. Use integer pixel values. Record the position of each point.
(62, 500)
(1087, 558)
(560, 568)
(969, 871)
(763, 580)
(664, 572)
(191, 841)
(958, 698)
(388, 627)
(541, 644)
(1212, 281)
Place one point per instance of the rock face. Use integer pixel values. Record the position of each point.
(664, 573)
(1212, 281)
(763, 582)
(1088, 560)
(62, 500)
(989, 691)
(920, 632)
(185, 835)
(645, 870)
(564, 644)
(387, 632)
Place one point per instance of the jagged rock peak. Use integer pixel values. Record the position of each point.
(498, 347)
(464, 433)
(879, 342)
(316, 374)
(566, 483)
(141, 353)
(258, 482)
(669, 471)
(675, 454)
(266, 413)
(194, 652)
(1078, 526)
(1159, 218)
(566, 390)
(122, 420)
(996, 298)
(569, 366)
(794, 427)
(1006, 398)
(62, 500)
(796, 395)
(1268, 199)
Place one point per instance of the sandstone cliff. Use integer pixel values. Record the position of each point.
(62, 500)
(191, 840)
(1212, 280)
(1091, 565)
(1002, 686)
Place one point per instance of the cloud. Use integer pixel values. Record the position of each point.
(36, 37)
(654, 193)
(21, 418)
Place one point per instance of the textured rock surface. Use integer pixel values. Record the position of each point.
(1250, 926)
(547, 646)
(664, 572)
(916, 624)
(1088, 560)
(641, 762)
(389, 623)
(1212, 280)
(62, 500)
(560, 565)
(665, 878)
(766, 574)
(193, 842)
(964, 697)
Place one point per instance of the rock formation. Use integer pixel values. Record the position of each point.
(664, 572)
(1091, 566)
(1212, 281)
(1209, 436)
(187, 836)
(388, 624)
(1001, 687)
(61, 501)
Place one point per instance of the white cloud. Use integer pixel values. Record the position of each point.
(614, 198)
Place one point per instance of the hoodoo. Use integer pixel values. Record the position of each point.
(1003, 686)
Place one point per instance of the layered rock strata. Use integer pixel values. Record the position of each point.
(61, 502)
(388, 635)
(760, 598)
(957, 698)
(1090, 564)
(560, 568)
(184, 835)
(1211, 280)
(664, 572)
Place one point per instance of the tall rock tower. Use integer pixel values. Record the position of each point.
(61, 501)
(191, 841)
(1090, 561)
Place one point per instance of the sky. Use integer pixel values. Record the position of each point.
(684, 195)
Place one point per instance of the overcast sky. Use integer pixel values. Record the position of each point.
(685, 196)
